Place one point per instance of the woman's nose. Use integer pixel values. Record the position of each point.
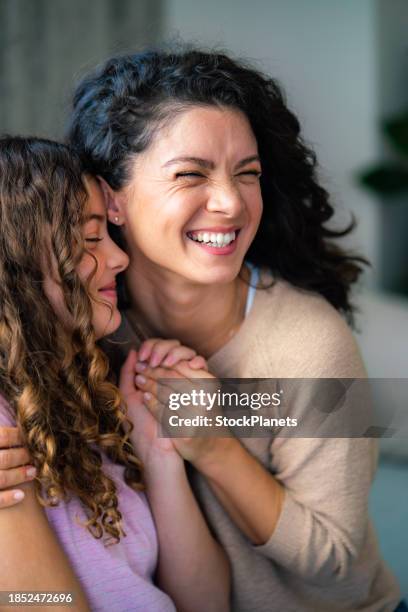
(225, 199)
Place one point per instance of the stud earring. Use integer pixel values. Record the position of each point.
(116, 219)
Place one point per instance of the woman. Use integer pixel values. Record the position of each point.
(58, 296)
(179, 142)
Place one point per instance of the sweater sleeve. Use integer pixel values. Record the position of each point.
(324, 517)
(323, 520)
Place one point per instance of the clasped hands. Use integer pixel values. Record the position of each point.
(147, 379)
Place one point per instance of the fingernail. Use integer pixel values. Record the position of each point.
(140, 379)
(143, 354)
(168, 361)
(154, 360)
(18, 495)
(147, 396)
(139, 367)
(31, 472)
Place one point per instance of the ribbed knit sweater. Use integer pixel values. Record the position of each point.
(323, 554)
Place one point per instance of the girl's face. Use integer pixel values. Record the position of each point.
(194, 202)
(104, 260)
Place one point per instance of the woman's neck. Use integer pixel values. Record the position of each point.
(200, 316)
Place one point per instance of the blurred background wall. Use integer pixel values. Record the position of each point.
(45, 46)
(343, 64)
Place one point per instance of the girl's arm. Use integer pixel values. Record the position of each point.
(193, 568)
(31, 557)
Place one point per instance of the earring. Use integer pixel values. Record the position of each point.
(116, 219)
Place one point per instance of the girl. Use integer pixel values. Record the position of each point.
(97, 538)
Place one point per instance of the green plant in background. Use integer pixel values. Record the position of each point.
(389, 179)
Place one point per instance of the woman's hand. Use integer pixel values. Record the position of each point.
(168, 353)
(197, 446)
(15, 468)
(145, 437)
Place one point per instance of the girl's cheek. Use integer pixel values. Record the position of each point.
(85, 266)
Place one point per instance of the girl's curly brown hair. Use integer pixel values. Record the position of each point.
(55, 376)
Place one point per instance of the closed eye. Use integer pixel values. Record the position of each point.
(250, 172)
(93, 239)
(189, 174)
(249, 177)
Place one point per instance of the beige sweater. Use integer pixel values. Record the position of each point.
(323, 554)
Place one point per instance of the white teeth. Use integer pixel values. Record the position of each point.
(213, 239)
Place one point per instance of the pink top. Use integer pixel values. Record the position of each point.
(118, 577)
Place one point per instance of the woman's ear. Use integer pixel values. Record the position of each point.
(113, 201)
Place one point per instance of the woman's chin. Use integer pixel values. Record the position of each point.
(220, 274)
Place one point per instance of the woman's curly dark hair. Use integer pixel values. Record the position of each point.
(53, 375)
(118, 108)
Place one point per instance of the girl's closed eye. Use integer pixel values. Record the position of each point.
(93, 239)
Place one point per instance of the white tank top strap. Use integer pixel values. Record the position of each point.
(253, 281)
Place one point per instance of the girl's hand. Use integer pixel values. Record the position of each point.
(15, 466)
(145, 439)
(155, 383)
(168, 353)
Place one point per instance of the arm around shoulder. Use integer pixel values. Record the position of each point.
(325, 344)
(326, 477)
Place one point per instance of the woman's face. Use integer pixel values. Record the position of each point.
(104, 258)
(194, 202)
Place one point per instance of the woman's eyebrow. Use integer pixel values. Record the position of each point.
(247, 160)
(206, 163)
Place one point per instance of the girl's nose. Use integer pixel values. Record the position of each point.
(118, 259)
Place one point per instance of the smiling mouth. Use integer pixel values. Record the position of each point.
(108, 290)
(214, 239)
